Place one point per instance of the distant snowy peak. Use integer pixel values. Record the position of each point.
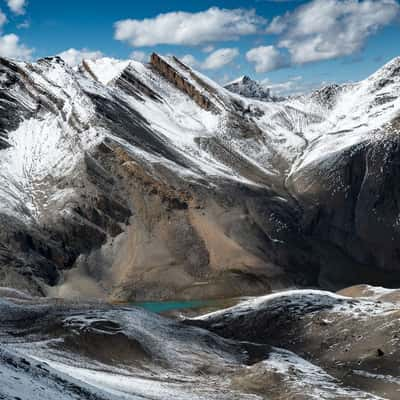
(247, 87)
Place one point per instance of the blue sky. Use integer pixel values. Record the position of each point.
(293, 45)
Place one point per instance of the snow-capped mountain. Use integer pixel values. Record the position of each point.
(247, 87)
(135, 181)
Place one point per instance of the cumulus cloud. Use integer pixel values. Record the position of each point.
(216, 60)
(295, 85)
(17, 6)
(220, 58)
(190, 60)
(140, 56)
(266, 58)
(11, 47)
(74, 57)
(185, 28)
(326, 29)
(208, 49)
(3, 18)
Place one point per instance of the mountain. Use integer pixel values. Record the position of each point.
(247, 87)
(126, 182)
(132, 181)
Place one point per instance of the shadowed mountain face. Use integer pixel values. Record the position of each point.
(128, 181)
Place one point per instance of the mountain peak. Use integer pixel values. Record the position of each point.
(247, 87)
(389, 71)
(244, 79)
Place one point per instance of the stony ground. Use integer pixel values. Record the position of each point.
(301, 345)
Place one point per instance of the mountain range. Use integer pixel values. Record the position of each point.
(128, 181)
(124, 185)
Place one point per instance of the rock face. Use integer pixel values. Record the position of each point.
(128, 181)
(180, 81)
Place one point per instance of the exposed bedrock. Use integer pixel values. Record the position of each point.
(182, 83)
(351, 212)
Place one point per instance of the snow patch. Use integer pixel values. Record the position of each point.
(309, 379)
(41, 153)
(106, 69)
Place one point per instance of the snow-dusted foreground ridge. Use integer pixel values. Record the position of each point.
(132, 181)
(292, 345)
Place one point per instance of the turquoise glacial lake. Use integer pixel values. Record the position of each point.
(165, 306)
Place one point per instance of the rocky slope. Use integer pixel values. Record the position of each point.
(297, 345)
(128, 181)
(324, 345)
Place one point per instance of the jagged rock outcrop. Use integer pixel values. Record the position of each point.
(181, 82)
(247, 87)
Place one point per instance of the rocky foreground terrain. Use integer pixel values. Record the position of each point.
(129, 181)
(297, 345)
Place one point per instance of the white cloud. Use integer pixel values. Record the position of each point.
(74, 57)
(3, 18)
(140, 56)
(278, 25)
(293, 86)
(326, 29)
(190, 60)
(266, 58)
(185, 28)
(17, 6)
(11, 47)
(225, 79)
(208, 49)
(220, 58)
